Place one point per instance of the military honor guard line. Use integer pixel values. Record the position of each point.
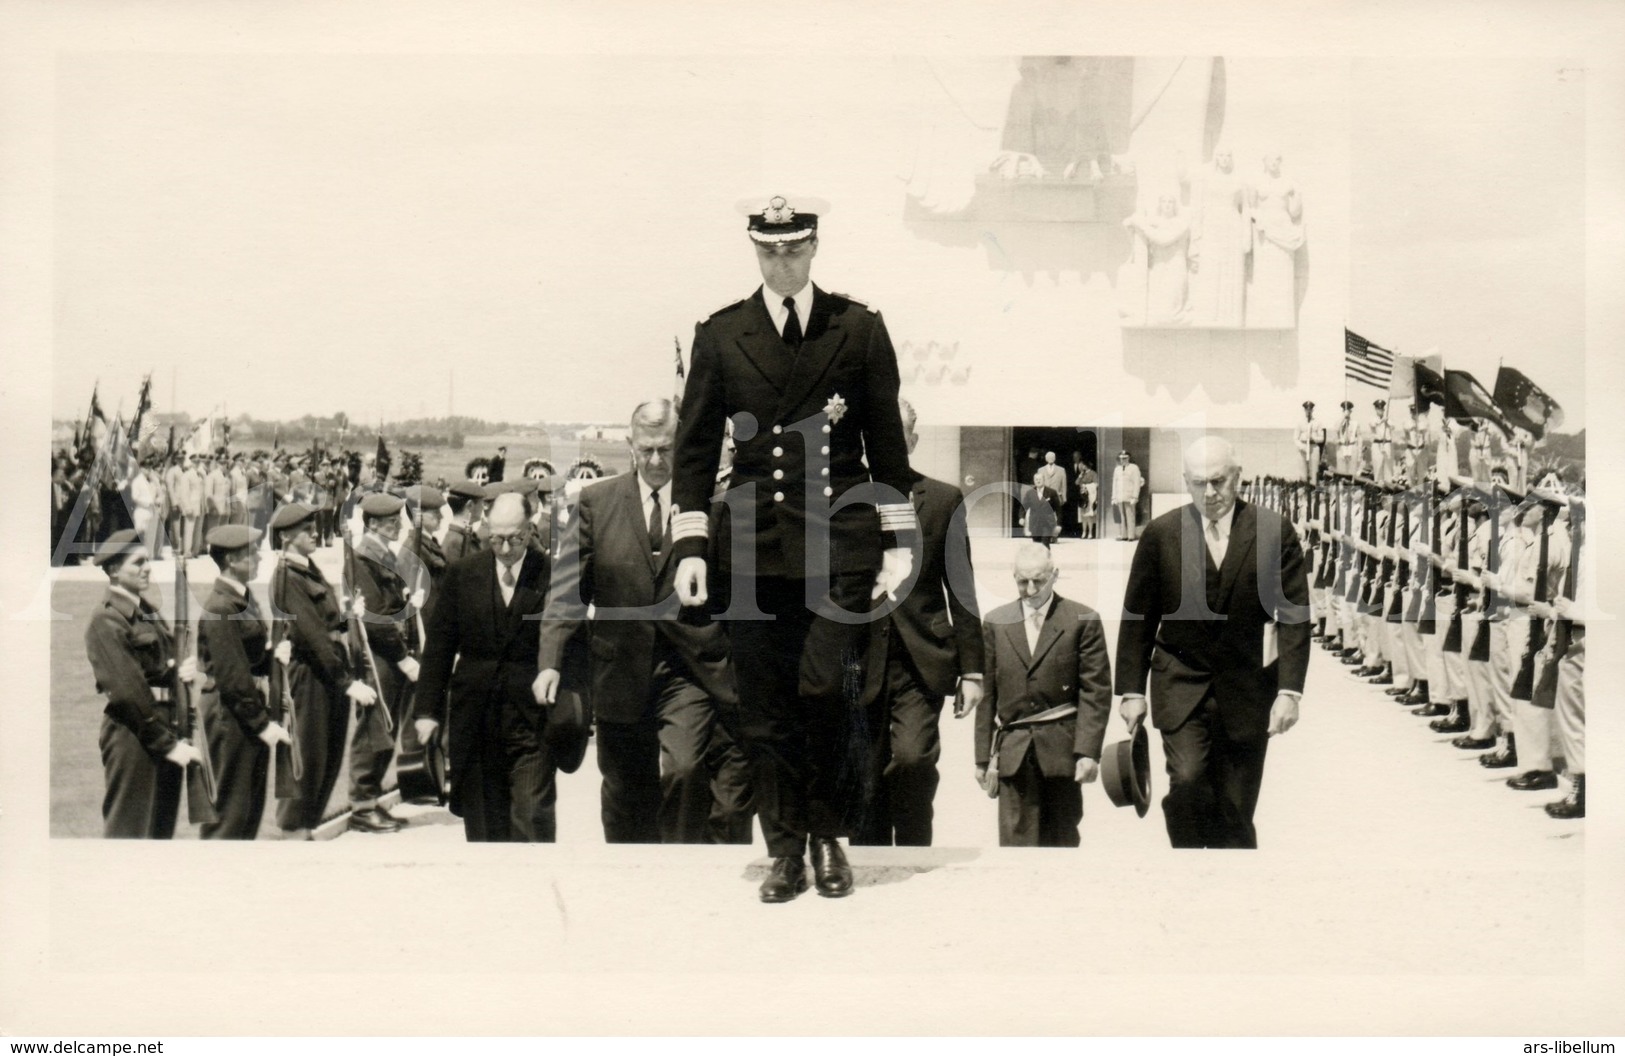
(767, 617)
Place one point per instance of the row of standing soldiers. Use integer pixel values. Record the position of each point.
(1461, 603)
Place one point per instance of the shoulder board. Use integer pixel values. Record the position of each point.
(727, 308)
(854, 300)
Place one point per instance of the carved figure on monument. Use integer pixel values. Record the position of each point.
(1278, 234)
(1161, 253)
(1067, 114)
(1220, 241)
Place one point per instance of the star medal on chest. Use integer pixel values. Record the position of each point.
(835, 409)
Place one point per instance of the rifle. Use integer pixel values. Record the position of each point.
(1428, 616)
(356, 628)
(199, 775)
(1563, 629)
(1397, 609)
(1480, 649)
(290, 762)
(1453, 633)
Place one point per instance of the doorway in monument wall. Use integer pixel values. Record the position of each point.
(1073, 446)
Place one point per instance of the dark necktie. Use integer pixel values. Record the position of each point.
(792, 324)
(657, 525)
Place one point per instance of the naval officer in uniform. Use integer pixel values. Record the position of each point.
(820, 525)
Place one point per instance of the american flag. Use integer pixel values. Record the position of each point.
(1365, 363)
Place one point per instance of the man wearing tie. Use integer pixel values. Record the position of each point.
(478, 669)
(1049, 686)
(820, 486)
(659, 673)
(1216, 617)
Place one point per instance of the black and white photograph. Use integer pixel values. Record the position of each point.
(970, 521)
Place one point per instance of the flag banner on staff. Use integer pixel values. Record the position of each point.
(1525, 404)
(1402, 384)
(1464, 397)
(1429, 383)
(1365, 363)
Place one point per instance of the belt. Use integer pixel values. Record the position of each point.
(1382, 441)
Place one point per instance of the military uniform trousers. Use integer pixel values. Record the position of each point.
(323, 717)
(800, 682)
(1480, 687)
(1570, 717)
(143, 793)
(373, 745)
(509, 788)
(904, 743)
(1038, 811)
(656, 786)
(1509, 638)
(1450, 668)
(242, 764)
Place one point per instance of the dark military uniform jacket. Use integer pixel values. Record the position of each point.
(805, 423)
(315, 624)
(460, 542)
(391, 631)
(232, 653)
(133, 658)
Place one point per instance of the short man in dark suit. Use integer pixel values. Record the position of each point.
(1049, 685)
(820, 487)
(478, 669)
(659, 672)
(1216, 617)
(929, 648)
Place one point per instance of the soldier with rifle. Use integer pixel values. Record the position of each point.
(234, 654)
(314, 671)
(1523, 582)
(384, 636)
(1561, 671)
(133, 657)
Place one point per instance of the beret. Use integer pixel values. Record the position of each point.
(467, 489)
(294, 513)
(380, 504)
(232, 536)
(117, 545)
(425, 497)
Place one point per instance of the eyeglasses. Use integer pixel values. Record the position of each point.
(1038, 581)
(507, 539)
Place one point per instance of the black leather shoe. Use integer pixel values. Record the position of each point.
(1498, 760)
(831, 874)
(375, 819)
(1428, 711)
(1350, 661)
(1473, 744)
(786, 880)
(1398, 691)
(1533, 781)
(1384, 679)
(1453, 724)
(1572, 805)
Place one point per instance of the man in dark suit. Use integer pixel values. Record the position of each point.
(1216, 616)
(810, 380)
(918, 656)
(486, 623)
(659, 673)
(1048, 683)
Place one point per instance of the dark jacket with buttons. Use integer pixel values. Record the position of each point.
(132, 654)
(232, 653)
(812, 427)
(1070, 666)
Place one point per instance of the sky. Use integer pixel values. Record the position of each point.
(521, 238)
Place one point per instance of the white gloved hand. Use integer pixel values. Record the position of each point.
(274, 734)
(188, 669)
(361, 693)
(183, 754)
(419, 596)
(425, 729)
(896, 565)
(284, 651)
(409, 668)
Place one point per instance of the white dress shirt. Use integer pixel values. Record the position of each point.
(1220, 546)
(1032, 621)
(780, 315)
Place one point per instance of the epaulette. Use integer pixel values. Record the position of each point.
(727, 308)
(854, 300)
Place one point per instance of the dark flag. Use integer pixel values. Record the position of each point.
(276, 437)
(1525, 404)
(1365, 363)
(143, 404)
(169, 455)
(1429, 382)
(1464, 397)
